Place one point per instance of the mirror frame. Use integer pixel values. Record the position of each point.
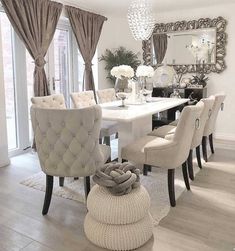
(218, 23)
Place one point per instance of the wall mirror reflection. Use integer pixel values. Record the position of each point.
(189, 46)
(184, 47)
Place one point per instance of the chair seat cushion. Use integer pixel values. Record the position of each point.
(106, 152)
(163, 131)
(135, 151)
(108, 128)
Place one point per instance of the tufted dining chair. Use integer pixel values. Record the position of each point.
(83, 99)
(197, 137)
(106, 95)
(55, 101)
(169, 152)
(67, 144)
(210, 124)
(86, 99)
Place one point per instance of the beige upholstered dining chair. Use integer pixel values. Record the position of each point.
(67, 144)
(210, 124)
(83, 99)
(106, 95)
(55, 101)
(197, 137)
(86, 99)
(170, 152)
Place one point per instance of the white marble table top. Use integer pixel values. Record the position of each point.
(112, 111)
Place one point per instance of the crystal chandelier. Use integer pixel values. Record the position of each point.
(141, 20)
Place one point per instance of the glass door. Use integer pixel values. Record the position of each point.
(59, 62)
(9, 82)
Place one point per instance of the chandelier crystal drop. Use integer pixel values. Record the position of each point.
(140, 19)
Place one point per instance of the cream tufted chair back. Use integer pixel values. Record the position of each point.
(67, 140)
(106, 95)
(83, 99)
(205, 115)
(55, 101)
(189, 122)
(210, 125)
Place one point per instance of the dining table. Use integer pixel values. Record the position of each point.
(135, 119)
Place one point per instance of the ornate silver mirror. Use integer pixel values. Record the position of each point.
(189, 46)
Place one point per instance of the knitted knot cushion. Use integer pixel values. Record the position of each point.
(118, 178)
(111, 209)
(119, 237)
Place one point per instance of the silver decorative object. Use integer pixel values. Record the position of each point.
(121, 84)
(141, 20)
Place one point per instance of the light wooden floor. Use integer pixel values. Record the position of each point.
(203, 220)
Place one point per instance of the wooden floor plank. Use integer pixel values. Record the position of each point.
(204, 218)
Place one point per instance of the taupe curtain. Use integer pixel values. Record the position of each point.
(87, 28)
(160, 46)
(35, 23)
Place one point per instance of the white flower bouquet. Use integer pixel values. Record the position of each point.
(122, 71)
(144, 71)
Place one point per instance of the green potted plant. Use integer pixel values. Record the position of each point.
(119, 56)
(200, 79)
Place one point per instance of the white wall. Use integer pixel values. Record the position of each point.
(116, 33)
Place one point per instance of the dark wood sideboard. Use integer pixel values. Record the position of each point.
(169, 116)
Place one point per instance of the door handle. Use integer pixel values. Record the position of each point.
(53, 83)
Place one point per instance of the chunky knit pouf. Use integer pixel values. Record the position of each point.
(118, 222)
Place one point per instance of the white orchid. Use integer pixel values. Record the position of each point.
(122, 71)
(145, 71)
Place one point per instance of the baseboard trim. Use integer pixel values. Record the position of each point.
(224, 142)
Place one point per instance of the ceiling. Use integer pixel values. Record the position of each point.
(119, 7)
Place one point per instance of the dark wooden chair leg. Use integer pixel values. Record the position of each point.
(124, 160)
(185, 174)
(116, 135)
(204, 148)
(211, 143)
(47, 200)
(107, 140)
(145, 170)
(100, 141)
(76, 178)
(150, 168)
(171, 186)
(190, 165)
(198, 153)
(87, 185)
(61, 181)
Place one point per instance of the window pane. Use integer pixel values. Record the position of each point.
(61, 62)
(30, 69)
(81, 68)
(8, 68)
